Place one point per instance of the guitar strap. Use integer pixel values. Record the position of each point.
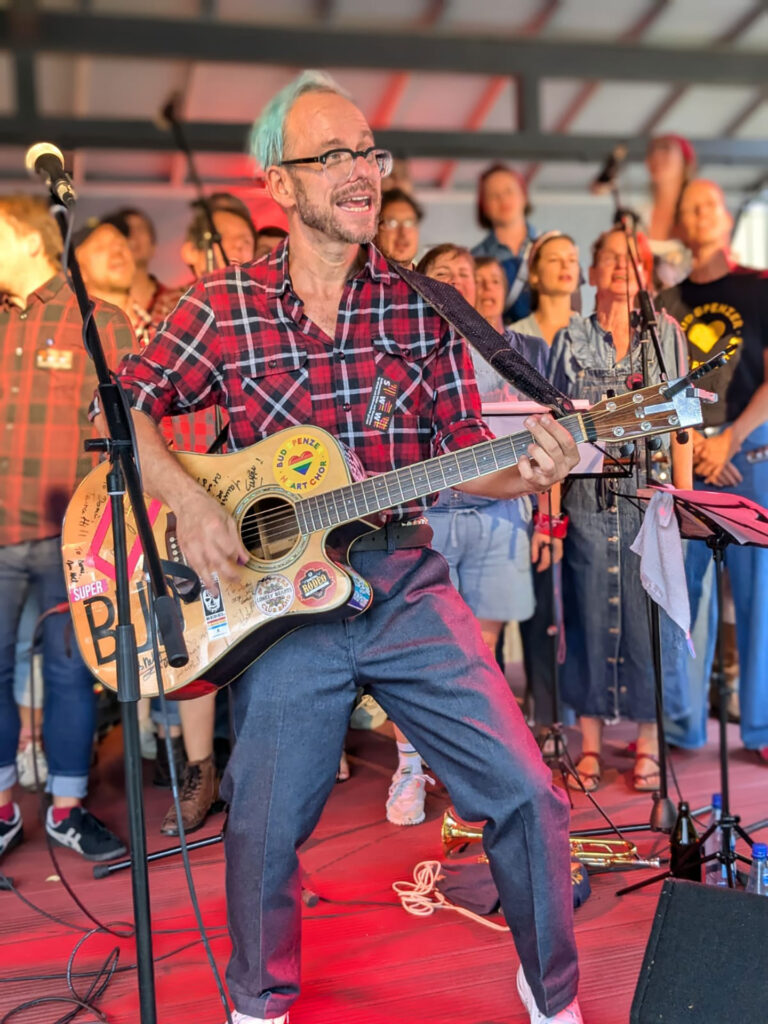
(492, 346)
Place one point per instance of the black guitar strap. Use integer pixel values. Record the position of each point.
(492, 346)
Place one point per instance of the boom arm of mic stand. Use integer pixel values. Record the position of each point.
(169, 114)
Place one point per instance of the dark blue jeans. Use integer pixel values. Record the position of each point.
(420, 653)
(69, 705)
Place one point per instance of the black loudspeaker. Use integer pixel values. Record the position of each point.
(706, 961)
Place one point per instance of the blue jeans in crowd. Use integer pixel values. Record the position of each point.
(69, 705)
(748, 570)
(419, 651)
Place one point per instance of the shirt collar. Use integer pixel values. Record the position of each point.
(44, 293)
(275, 277)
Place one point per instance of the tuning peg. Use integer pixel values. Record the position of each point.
(627, 450)
(654, 443)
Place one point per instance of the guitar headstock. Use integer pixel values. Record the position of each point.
(645, 412)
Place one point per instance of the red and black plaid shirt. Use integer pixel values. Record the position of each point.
(239, 338)
(46, 384)
(194, 431)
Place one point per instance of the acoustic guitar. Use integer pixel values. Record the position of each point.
(298, 512)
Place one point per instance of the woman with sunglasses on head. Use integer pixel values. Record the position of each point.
(608, 674)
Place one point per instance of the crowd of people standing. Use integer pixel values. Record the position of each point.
(498, 545)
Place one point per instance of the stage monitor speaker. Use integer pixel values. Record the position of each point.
(706, 961)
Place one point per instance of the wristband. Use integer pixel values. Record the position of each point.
(556, 526)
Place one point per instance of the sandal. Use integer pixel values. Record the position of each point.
(587, 782)
(343, 771)
(642, 782)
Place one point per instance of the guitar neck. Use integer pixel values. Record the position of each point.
(384, 491)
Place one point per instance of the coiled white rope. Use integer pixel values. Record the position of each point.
(421, 897)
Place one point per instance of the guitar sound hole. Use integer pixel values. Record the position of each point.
(269, 528)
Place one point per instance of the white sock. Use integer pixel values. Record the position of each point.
(408, 759)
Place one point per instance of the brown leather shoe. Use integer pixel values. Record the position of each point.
(197, 794)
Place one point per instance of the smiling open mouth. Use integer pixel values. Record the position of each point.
(356, 204)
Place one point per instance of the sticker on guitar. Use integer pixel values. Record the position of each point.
(273, 594)
(301, 463)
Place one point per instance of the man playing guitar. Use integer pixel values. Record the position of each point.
(322, 331)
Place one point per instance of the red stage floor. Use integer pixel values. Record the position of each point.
(365, 960)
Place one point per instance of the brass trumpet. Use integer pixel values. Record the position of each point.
(456, 835)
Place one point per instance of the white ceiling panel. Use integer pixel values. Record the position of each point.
(755, 127)
(555, 96)
(704, 110)
(502, 116)
(619, 108)
(241, 90)
(756, 37)
(117, 87)
(730, 176)
(597, 19)
(370, 12)
(575, 176)
(686, 22)
(439, 101)
(500, 15)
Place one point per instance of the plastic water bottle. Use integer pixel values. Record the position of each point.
(758, 873)
(685, 852)
(715, 872)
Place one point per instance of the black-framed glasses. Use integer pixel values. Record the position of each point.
(338, 164)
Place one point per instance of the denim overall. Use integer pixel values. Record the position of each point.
(608, 670)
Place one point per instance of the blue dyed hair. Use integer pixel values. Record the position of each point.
(266, 138)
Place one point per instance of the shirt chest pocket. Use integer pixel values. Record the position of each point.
(406, 367)
(273, 393)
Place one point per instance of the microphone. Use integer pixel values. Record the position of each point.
(605, 179)
(47, 161)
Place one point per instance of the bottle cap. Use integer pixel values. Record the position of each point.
(717, 800)
(759, 851)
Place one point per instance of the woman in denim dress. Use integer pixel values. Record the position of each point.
(608, 671)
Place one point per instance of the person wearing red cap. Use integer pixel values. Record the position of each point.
(671, 163)
(502, 208)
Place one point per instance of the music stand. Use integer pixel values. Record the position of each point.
(719, 519)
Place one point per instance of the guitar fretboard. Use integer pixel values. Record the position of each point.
(377, 493)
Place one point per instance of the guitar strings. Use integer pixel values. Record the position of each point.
(288, 517)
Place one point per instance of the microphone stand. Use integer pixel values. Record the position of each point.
(124, 475)
(211, 236)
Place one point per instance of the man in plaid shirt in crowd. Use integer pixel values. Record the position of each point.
(46, 384)
(314, 333)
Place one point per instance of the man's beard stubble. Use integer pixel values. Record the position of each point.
(325, 220)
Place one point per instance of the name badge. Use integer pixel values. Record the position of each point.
(54, 359)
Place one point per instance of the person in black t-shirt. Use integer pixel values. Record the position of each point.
(721, 303)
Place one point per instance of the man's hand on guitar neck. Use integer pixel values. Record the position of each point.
(550, 459)
(206, 532)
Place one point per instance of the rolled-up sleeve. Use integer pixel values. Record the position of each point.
(180, 370)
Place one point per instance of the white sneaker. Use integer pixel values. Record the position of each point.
(405, 804)
(367, 714)
(25, 766)
(243, 1018)
(570, 1015)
